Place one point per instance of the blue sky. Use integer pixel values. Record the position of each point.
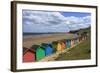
(47, 21)
(76, 14)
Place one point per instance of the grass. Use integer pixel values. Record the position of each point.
(79, 52)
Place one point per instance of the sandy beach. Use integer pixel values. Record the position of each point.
(28, 42)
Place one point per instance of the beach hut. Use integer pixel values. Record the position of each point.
(59, 46)
(80, 39)
(75, 39)
(85, 35)
(75, 35)
(48, 48)
(63, 44)
(72, 43)
(54, 46)
(40, 52)
(28, 55)
(68, 43)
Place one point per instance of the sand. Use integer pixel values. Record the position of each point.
(28, 42)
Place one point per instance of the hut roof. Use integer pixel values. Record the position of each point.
(55, 42)
(35, 47)
(27, 49)
(46, 45)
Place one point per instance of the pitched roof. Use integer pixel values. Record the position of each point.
(25, 50)
(35, 47)
(44, 45)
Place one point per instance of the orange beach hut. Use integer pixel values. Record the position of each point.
(63, 44)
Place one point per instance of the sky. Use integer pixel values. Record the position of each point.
(50, 21)
(76, 14)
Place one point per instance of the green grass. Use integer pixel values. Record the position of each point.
(79, 52)
(85, 30)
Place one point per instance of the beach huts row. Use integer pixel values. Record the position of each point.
(38, 52)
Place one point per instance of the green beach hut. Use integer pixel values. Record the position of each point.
(39, 51)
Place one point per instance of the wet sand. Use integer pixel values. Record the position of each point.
(28, 42)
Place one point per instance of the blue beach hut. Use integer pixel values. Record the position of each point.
(48, 48)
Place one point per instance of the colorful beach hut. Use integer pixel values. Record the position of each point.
(72, 43)
(63, 44)
(85, 34)
(48, 48)
(54, 46)
(59, 46)
(68, 43)
(75, 39)
(40, 52)
(80, 39)
(28, 55)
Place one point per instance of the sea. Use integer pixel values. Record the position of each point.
(29, 35)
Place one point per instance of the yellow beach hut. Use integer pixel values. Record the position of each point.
(59, 46)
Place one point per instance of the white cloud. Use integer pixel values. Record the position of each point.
(40, 21)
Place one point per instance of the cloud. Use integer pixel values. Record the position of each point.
(41, 21)
(76, 23)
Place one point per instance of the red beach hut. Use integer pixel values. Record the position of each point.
(28, 55)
